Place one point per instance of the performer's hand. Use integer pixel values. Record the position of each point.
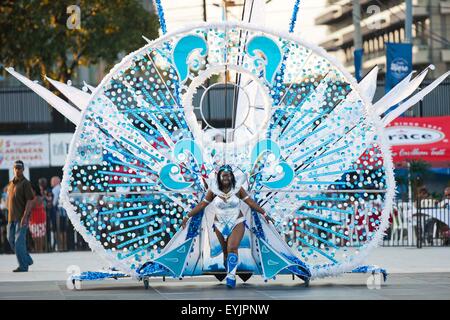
(268, 218)
(185, 220)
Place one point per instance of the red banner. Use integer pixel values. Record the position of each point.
(420, 139)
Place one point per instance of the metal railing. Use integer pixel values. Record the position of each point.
(60, 235)
(419, 223)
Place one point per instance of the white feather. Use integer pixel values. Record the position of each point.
(76, 96)
(368, 85)
(415, 99)
(68, 111)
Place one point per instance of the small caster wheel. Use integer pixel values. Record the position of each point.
(76, 284)
(306, 282)
(146, 284)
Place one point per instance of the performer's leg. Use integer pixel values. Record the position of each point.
(223, 244)
(232, 248)
(235, 238)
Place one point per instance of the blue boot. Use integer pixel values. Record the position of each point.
(232, 262)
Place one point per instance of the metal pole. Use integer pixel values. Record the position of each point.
(418, 215)
(205, 18)
(357, 37)
(204, 10)
(421, 108)
(408, 21)
(357, 40)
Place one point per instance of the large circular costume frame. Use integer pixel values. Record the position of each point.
(85, 131)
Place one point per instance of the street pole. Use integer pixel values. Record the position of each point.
(205, 17)
(204, 10)
(357, 39)
(408, 21)
(418, 215)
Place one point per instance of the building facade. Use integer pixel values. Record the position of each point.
(22, 112)
(384, 21)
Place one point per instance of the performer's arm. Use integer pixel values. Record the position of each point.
(202, 205)
(252, 204)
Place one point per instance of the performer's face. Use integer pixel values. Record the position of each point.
(225, 178)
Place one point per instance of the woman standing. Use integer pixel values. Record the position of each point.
(38, 221)
(228, 220)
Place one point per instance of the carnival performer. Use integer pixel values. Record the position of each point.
(229, 220)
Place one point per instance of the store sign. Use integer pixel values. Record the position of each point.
(404, 135)
(59, 148)
(398, 63)
(423, 139)
(33, 150)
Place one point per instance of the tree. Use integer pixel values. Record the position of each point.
(34, 36)
(418, 171)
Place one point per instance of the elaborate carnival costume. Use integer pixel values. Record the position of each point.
(226, 206)
(305, 133)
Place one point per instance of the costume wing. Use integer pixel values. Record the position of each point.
(128, 181)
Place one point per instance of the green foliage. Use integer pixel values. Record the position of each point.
(418, 172)
(419, 169)
(34, 36)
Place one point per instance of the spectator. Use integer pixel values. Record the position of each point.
(60, 215)
(445, 203)
(47, 197)
(4, 247)
(426, 201)
(38, 221)
(20, 196)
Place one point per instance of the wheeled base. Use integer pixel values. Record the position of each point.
(221, 275)
(74, 282)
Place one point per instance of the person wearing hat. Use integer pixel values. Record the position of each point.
(20, 196)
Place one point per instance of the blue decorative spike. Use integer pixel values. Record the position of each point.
(175, 259)
(182, 51)
(162, 20)
(294, 16)
(272, 262)
(271, 52)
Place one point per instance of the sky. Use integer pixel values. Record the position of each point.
(180, 13)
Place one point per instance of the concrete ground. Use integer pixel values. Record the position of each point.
(413, 274)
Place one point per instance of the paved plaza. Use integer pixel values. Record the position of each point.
(413, 274)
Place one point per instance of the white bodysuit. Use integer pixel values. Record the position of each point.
(226, 213)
